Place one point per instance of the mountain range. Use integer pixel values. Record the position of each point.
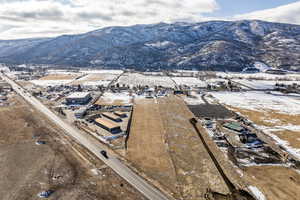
(213, 45)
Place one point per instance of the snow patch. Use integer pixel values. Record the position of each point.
(261, 66)
(45, 83)
(258, 194)
(259, 101)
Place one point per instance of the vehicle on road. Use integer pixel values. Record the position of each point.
(104, 153)
(39, 142)
(45, 194)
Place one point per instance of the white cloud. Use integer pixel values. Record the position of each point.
(44, 18)
(289, 13)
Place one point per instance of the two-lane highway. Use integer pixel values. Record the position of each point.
(121, 169)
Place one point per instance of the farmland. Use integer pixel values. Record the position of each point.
(191, 135)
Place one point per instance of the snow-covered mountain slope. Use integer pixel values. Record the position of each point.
(215, 45)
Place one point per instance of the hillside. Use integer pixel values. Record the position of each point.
(214, 45)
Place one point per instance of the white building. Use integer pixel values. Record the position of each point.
(78, 98)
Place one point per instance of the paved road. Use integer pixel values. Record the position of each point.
(132, 178)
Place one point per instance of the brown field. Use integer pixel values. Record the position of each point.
(165, 146)
(147, 136)
(276, 182)
(27, 169)
(262, 118)
(59, 77)
(94, 77)
(98, 77)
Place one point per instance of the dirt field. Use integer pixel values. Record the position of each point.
(59, 77)
(172, 143)
(27, 169)
(147, 149)
(271, 119)
(276, 182)
(95, 78)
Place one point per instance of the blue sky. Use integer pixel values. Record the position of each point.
(234, 7)
(49, 18)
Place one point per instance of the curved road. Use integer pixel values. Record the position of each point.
(121, 169)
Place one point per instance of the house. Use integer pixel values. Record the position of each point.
(78, 98)
(235, 126)
(80, 113)
(108, 125)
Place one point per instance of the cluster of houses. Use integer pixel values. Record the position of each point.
(224, 85)
(245, 135)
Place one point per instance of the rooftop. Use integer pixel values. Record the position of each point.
(78, 95)
(111, 115)
(234, 126)
(106, 123)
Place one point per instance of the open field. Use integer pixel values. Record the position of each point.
(135, 79)
(189, 81)
(27, 168)
(259, 101)
(147, 149)
(282, 124)
(118, 99)
(59, 77)
(275, 182)
(164, 145)
(283, 128)
(95, 79)
(260, 76)
(195, 170)
(102, 71)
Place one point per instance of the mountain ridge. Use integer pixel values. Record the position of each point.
(213, 45)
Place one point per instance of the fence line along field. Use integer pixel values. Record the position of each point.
(164, 145)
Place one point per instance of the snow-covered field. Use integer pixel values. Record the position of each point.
(95, 79)
(257, 84)
(189, 81)
(260, 76)
(271, 132)
(58, 71)
(96, 83)
(110, 98)
(134, 79)
(45, 83)
(115, 72)
(263, 85)
(258, 194)
(259, 101)
(194, 100)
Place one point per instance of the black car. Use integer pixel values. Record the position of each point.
(104, 153)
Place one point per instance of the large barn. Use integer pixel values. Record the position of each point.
(78, 98)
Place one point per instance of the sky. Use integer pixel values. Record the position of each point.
(49, 18)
